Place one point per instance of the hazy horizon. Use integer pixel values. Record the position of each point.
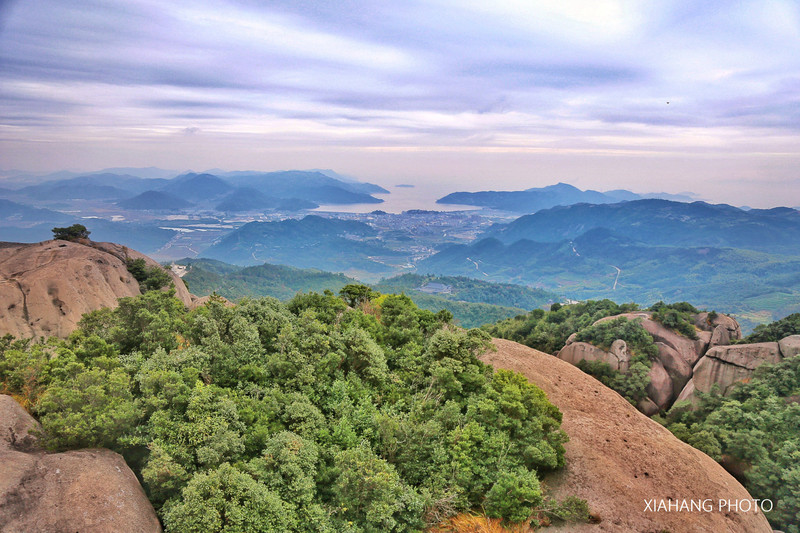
(465, 95)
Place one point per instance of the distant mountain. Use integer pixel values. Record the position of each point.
(233, 282)
(154, 201)
(197, 187)
(140, 172)
(73, 189)
(91, 187)
(249, 199)
(312, 242)
(305, 185)
(535, 199)
(12, 212)
(205, 276)
(358, 186)
(661, 223)
(301, 187)
(467, 289)
(669, 264)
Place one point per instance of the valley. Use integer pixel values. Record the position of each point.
(623, 246)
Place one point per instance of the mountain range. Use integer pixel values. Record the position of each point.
(535, 199)
(295, 188)
(311, 242)
(646, 250)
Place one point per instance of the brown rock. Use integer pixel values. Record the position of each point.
(728, 322)
(728, 365)
(703, 341)
(16, 425)
(647, 407)
(617, 457)
(91, 491)
(46, 287)
(720, 337)
(677, 368)
(583, 351)
(686, 348)
(660, 387)
(688, 394)
(789, 346)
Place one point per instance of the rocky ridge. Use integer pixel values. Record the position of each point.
(46, 287)
(685, 366)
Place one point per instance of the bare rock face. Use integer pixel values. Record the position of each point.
(679, 371)
(721, 336)
(617, 457)
(688, 394)
(727, 365)
(789, 346)
(728, 323)
(688, 349)
(91, 491)
(659, 390)
(618, 357)
(46, 287)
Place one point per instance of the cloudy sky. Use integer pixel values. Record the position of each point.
(470, 94)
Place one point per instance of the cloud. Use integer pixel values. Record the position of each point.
(570, 75)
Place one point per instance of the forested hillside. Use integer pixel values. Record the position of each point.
(308, 416)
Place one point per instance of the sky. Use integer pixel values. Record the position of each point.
(469, 95)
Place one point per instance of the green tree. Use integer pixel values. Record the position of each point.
(369, 491)
(87, 408)
(71, 233)
(356, 294)
(514, 496)
(227, 500)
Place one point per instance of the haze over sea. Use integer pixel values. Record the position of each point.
(399, 199)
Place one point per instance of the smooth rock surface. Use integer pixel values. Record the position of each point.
(617, 457)
(789, 346)
(583, 351)
(89, 491)
(46, 287)
(659, 390)
(727, 365)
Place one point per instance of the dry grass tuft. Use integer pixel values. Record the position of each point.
(477, 523)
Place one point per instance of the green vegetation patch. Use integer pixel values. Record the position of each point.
(150, 278)
(633, 383)
(305, 416)
(775, 331)
(547, 331)
(676, 316)
(754, 433)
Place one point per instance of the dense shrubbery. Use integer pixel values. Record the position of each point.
(547, 331)
(603, 334)
(309, 416)
(631, 384)
(676, 316)
(756, 429)
(150, 278)
(775, 331)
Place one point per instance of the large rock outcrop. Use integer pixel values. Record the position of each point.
(91, 491)
(617, 458)
(617, 357)
(678, 356)
(46, 287)
(726, 366)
